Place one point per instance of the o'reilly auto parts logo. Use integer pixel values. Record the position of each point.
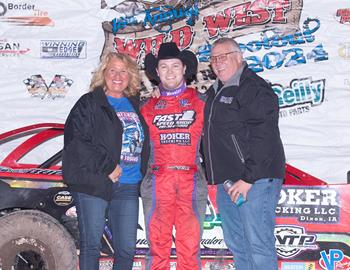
(291, 240)
(300, 96)
(174, 120)
(68, 49)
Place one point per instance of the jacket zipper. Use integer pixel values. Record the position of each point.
(238, 149)
(209, 124)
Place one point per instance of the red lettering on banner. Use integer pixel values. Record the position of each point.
(133, 47)
(183, 36)
(344, 15)
(247, 14)
(241, 14)
(256, 15)
(125, 46)
(136, 48)
(280, 9)
(218, 23)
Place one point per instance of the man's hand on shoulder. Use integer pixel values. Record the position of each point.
(155, 93)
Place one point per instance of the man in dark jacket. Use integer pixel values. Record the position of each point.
(242, 143)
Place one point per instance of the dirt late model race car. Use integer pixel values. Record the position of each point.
(38, 224)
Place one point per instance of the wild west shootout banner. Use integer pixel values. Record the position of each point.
(48, 50)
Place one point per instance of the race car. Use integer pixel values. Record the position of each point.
(38, 224)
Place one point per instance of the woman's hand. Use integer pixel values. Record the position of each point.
(117, 172)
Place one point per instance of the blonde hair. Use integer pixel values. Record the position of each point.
(98, 78)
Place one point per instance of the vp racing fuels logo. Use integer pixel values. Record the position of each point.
(174, 120)
(291, 240)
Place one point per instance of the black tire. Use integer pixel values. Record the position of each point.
(31, 239)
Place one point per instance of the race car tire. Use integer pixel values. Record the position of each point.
(31, 239)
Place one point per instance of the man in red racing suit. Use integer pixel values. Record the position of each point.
(174, 191)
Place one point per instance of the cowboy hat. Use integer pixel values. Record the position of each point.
(170, 50)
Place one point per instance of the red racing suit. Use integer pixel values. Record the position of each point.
(174, 191)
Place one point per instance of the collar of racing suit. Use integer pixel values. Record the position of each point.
(174, 92)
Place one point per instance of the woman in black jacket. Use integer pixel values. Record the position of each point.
(99, 166)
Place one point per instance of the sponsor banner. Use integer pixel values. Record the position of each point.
(63, 49)
(193, 25)
(300, 47)
(17, 13)
(300, 96)
(300, 243)
(334, 259)
(343, 15)
(48, 52)
(310, 204)
(297, 266)
(12, 48)
(344, 50)
(58, 87)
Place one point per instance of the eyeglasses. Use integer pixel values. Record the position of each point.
(221, 57)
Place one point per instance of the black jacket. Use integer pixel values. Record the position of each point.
(92, 144)
(241, 134)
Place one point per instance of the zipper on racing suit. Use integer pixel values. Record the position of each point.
(238, 149)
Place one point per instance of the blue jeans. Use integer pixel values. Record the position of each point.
(249, 229)
(123, 211)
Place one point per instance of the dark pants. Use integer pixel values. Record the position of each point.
(123, 212)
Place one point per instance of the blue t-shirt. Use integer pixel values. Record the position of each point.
(133, 137)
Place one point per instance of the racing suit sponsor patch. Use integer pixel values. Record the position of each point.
(174, 120)
(179, 138)
(161, 104)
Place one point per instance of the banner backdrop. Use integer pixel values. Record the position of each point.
(48, 50)
(312, 232)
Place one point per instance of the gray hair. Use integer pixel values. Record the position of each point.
(231, 41)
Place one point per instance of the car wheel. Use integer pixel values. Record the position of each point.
(31, 239)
